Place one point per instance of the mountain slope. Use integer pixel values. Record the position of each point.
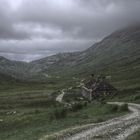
(120, 46)
(13, 68)
(117, 55)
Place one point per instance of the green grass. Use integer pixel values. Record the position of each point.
(25, 109)
(135, 136)
(34, 102)
(128, 95)
(25, 115)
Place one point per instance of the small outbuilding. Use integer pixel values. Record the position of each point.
(97, 87)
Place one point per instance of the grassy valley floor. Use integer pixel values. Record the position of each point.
(135, 136)
(28, 115)
(128, 95)
(26, 109)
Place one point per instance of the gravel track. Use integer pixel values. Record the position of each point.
(115, 129)
(59, 98)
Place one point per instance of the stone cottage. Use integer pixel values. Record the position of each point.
(96, 88)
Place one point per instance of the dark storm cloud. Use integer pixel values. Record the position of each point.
(81, 18)
(34, 49)
(31, 29)
(7, 30)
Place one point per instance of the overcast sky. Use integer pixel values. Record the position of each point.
(31, 29)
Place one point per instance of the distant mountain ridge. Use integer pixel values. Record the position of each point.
(118, 50)
(13, 68)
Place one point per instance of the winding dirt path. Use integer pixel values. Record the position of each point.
(59, 98)
(115, 129)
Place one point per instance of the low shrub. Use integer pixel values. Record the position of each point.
(123, 107)
(114, 108)
(102, 101)
(99, 120)
(117, 108)
(58, 113)
(76, 107)
(85, 103)
(37, 111)
(136, 97)
(79, 105)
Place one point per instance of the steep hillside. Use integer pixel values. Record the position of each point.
(6, 79)
(117, 49)
(14, 68)
(117, 55)
(7, 82)
(17, 69)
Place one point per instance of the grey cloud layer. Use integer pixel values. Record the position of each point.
(37, 28)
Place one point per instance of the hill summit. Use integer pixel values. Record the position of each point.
(117, 55)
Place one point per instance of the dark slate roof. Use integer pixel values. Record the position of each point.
(100, 86)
